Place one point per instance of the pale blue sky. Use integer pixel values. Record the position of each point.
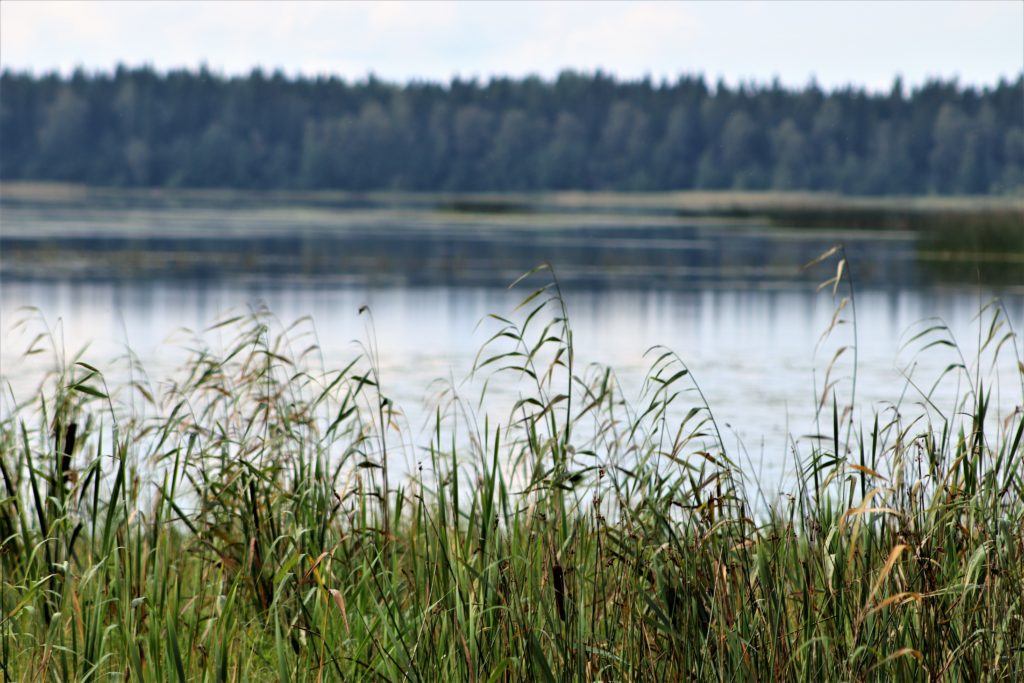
(863, 43)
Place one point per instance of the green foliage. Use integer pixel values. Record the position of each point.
(241, 526)
(138, 127)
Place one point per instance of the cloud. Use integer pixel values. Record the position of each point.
(839, 42)
(629, 39)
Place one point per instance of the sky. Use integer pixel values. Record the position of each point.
(864, 44)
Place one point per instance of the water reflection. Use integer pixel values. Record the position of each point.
(755, 352)
(416, 246)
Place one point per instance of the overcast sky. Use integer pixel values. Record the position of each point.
(838, 43)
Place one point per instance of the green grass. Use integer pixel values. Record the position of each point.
(240, 523)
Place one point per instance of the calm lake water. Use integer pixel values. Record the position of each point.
(731, 300)
(754, 353)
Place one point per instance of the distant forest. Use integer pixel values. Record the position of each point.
(140, 127)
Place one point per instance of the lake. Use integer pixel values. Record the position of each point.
(731, 298)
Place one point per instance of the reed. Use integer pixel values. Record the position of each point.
(240, 523)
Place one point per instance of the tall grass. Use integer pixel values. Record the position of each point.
(241, 523)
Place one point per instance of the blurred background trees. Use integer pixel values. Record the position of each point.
(138, 127)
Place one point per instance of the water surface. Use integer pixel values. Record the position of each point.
(730, 295)
(756, 354)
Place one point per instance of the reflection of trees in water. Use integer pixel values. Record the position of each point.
(990, 251)
(605, 241)
(659, 257)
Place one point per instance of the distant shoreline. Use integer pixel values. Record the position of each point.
(782, 209)
(595, 240)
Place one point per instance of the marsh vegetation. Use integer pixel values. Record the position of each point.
(240, 520)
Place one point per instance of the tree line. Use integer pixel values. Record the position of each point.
(585, 131)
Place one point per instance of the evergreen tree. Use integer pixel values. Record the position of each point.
(139, 127)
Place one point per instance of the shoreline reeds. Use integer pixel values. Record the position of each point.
(243, 525)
